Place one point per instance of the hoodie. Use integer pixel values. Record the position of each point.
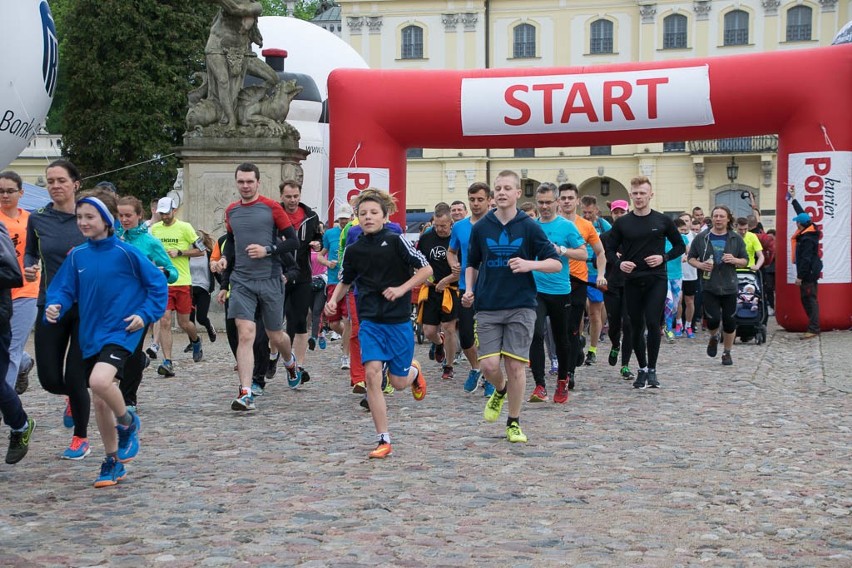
(491, 246)
(151, 247)
(110, 280)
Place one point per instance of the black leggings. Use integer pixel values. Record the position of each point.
(200, 306)
(467, 336)
(646, 298)
(297, 300)
(317, 306)
(575, 323)
(61, 373)
(131, 376)
(557, 306)
(720, 308)
(620, 332)
(260, 346)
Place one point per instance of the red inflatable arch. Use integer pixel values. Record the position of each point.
(803, 96)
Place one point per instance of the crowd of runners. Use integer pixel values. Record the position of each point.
(499, 287)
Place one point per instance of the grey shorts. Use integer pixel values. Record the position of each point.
(505, 332)
(268, 294)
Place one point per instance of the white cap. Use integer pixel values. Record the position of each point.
(165, 205)
(344, 211)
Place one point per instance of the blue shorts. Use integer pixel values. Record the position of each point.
(594, 295)
(391, 343)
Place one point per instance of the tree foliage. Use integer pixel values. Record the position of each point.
(126, 67)
(303, 9)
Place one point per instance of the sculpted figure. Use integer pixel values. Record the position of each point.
(229, 57)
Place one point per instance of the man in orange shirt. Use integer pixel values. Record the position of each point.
(24, 307)
(569, 198)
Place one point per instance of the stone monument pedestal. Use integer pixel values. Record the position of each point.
(209, 166)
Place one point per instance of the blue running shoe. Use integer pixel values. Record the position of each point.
(244, 402)
(78, 449)
(256, 389)
(128, 439)
(472, 380)
(489, 389)
(294, 374)
(322, 342)
(67, 417)
(197, 352)
(112, 471)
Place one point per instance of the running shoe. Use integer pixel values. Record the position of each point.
(153, 351)
(459, 358)
(440, 354)
(514, 434)
(488, 387)
(128, 439)
(188, 348)
(272, 367)
(78, 449)
(312, 343)
(344, 362)
(244, 402)
(359, 388)
(641, 380)
(166, 369)
(147, 362)
(256, 389)
(387, 388)
(726, 358)
(570, 381)
(382, 451)
(211, 333)
(432, 352)
(713, 346)
(539, 394)
(418, 387)
(678, 330)
(591, 358)
(365, 404)
(554, 367)
(613, 355)
(112, 471)
(22, 383)
(626, 373)
(561, 394)
(131, 408)
(670, 337)
(306, 376)
(494, 406)
(19, 443)
(197, 352)
(689, 333)
(334, 336)
(448, 373)
(653, 383)
(472, 380)
(294, 376)
(67, 417)
(322, 342)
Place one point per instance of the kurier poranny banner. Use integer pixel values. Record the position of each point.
(349, 182)
(823, 183)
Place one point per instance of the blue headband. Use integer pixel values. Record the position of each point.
(102, 209)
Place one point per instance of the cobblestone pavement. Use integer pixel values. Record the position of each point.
(724, 466)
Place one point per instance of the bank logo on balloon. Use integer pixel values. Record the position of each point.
(50, 57)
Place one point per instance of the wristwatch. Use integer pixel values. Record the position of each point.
(563, 250)
(180, 252)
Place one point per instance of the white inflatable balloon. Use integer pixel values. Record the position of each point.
(29, 59)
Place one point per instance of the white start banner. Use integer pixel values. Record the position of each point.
(823, 182)
(587, 102)
(349, 182)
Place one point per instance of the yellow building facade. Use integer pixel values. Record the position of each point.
(477, 34)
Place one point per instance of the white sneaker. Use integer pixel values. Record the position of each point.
(344, 362)
(333, 335)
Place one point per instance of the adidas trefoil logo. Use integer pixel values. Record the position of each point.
(502, 246)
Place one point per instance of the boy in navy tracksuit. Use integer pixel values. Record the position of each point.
(381, 263)
(118, 292)
(505, 247)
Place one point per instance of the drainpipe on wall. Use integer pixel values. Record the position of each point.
(487, 19)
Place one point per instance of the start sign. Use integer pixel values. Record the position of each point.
(591, 102)
(29, 61)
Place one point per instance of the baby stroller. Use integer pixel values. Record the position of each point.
(751, 315)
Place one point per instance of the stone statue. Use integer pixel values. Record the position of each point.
(220, 105)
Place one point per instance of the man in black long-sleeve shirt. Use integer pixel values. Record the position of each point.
(640, 237)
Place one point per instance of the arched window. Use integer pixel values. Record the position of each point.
(736, 28)
(674, 31)
(733, 199)
(601, 41)
(524, 41)
(412, 42)
(799, 23)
